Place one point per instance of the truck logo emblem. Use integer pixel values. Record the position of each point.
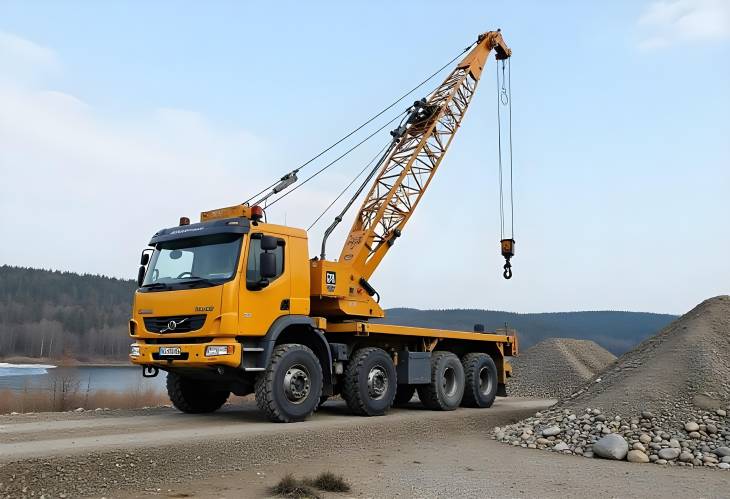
(172, 325)
(204, 309)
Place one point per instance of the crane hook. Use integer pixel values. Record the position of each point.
(507, 274)
(508, 251)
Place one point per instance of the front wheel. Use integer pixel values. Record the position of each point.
(193, 396)
(290, 388)
(370, 382)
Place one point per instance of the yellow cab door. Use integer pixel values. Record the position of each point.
(263, 300)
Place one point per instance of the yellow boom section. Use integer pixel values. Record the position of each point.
(406, 174)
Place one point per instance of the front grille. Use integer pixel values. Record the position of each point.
(182, 323)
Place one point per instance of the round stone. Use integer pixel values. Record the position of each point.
(669, 454)
(636, 456)
(691, 426)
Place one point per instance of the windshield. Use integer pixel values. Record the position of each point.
(207, 260)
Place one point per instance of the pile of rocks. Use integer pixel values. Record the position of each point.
(557, 368)
(703, 440)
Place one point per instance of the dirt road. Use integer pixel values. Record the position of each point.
(235, 453)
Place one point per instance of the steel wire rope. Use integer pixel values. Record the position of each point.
(499, 151)
(331, 163)
(380, 152)
(354, 131)
(360, 174)
(511, 187)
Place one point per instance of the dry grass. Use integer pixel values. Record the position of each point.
(304, 488)
(291, 487)
(328, 482)
(65, 396)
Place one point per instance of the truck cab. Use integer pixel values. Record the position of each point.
(219, 281)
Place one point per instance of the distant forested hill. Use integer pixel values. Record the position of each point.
(61, 314)
(614, 331)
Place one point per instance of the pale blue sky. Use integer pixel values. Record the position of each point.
(117, 119)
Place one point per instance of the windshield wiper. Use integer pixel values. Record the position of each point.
(157, 285)
(199, 280)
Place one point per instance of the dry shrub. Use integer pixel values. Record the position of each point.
(291, 487)
(329, 482)
(62, 397)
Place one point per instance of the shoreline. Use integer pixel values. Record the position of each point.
(65, 362)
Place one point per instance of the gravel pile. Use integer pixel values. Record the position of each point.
(557, 368)
(666, 402)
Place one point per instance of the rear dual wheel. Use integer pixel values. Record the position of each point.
(446, 388)
(481, 380)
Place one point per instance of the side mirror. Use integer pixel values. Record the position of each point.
(268, 243)
(145, 259)
(140, 275)
(267, 264)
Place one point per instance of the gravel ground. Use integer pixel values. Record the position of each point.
(409, 453)
(557, 368)
(85, 456)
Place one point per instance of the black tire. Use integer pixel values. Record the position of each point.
(193, 396)
(481, 385)
(289, 389)
(370, 382)
(404, 394)
(446, 388)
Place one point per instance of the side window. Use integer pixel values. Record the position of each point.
(253, 274)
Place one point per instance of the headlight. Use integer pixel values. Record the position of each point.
(134, 350)
(214, 350)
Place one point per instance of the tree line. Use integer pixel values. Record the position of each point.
(56, 315)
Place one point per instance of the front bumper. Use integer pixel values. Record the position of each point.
(192, 355)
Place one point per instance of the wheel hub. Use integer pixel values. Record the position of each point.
(297, 384)
(377, 383)
(485, 381)
(448, 382)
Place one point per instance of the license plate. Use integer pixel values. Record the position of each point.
(170, 351)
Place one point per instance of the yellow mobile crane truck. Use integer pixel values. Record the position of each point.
(233, 304)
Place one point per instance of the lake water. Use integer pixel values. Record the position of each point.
(39, 377)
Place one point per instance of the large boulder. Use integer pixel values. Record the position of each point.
(722, 451)
(612, 446)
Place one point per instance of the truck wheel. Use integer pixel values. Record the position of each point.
(370, 382)
(404, 394)
(446, 388)
(193, 396)
(290, 387)
(481, 380)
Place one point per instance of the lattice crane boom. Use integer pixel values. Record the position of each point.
(408, 170)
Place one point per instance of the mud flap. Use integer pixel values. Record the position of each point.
(501, 390)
